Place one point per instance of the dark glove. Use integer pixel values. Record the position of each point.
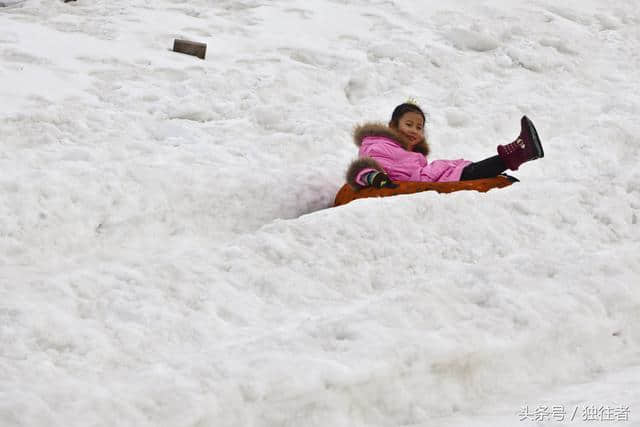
(380, 180)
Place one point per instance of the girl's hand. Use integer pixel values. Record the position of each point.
(382, 180)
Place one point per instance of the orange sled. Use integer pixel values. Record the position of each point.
(347, 194)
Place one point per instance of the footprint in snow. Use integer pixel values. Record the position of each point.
(304, 14)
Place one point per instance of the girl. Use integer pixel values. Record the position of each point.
(398, 153)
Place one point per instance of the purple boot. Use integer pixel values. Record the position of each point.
(526, 147)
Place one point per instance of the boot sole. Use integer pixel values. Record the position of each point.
(534, 136)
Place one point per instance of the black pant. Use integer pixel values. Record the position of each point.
(487, 168)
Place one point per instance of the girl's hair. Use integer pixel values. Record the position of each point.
(400, 111)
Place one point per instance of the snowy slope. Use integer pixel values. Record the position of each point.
(167, 258)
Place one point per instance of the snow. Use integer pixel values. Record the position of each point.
(168, 258)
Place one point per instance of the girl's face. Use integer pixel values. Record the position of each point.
(411, 126)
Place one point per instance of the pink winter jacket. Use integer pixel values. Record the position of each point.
(383, 149)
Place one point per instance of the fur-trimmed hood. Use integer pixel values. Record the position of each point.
(380, 129)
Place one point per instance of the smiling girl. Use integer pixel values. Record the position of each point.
(398, 152)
